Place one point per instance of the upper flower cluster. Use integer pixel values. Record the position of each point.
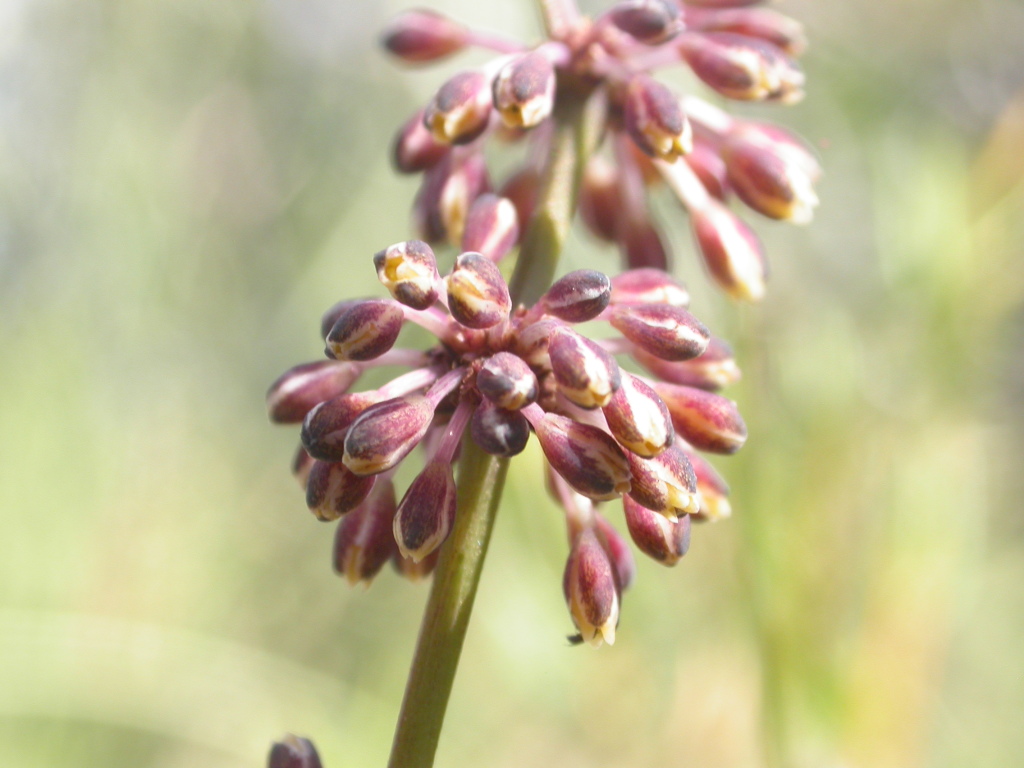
(705, 156)
(498, 374)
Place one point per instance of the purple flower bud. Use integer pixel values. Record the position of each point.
(707, 421)
(298, 389)
(409, 271)
(650, 21)
(365, 330)
(638, 419)
(649, 286)
(506, 380)
(461, 109)
(578, 296)
(763, 23)
(332, 490)
(414, 148)
(364, 540)
(443, 201)
(670, 333)
(712, 490)
(707, 163)
(492, 227)
(385, 433)
(477, 293)
(586, 373)
(524, 90)
(642, 244)
(293, 752)
(731, 251)
(324, 428)
(409, 569)
(589, 460)
(601, 199)
(590, 590)
(655, 535)
(774, 178)
(421, 36)
(665, 483)
(654, 119)
(425, 516)
(499, 432)
(618, 551)
(714, 369)
(743, 68)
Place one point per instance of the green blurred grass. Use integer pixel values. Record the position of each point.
(185, 186)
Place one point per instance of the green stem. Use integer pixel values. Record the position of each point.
(481, 476)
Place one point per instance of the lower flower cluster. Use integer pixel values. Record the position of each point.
(497, 375)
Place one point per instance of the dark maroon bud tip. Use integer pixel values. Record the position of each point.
(578, 296)
(461, 110)
(293, 752)
(506, 380)
(366, 330)
(658, 537)
(297, 390)
(324, 428)
(670, 333)
(425, 516)
(649, 21)
(478, 296)
(364, 541)
(333, 489)
(524, 90)
(409, 271)
(421, 36)
(654, 119)
(586, 457)
(414, 148)
(499, 432)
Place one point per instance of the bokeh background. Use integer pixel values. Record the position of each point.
(185, 185)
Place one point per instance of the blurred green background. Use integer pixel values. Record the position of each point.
(185, 185)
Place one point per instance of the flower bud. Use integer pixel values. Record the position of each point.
(589, 460)
(477, 293)
(650, 21)
(524, 90)
(618, 551)
(601, 199)
(665, 483)
(586, 373)
(712, 490)
(302, 463)
(499, 432)
(492, 227)
(714, 369)
(364, 540)
(425, 516)
(654, 534)
(707, 421)
(707, 163)
(409, 271)
(298, 389)
(578, 296)
(731, 251)
(743, 68)
(414, 148)
(421, 36)
(590, 590)
(385, 434)
(366, 330)
(670, 333)
(763, 23)
(774, 178)
(642, 244)
(649, 286)
(293, 752)
(467, 181)
(409, 569)
(461, 109)
(638, 419)
(324, 428)
(426, 206)
(506, 380)
(654, 119)
(332, 490)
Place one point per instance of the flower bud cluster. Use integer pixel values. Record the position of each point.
(736, 49)
(497, 375)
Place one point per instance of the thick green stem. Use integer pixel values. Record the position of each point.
(482, 476)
